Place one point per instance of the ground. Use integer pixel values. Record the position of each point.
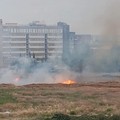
(33, 100)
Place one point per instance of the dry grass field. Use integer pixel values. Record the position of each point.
(29, 101)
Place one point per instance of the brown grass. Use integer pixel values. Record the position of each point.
(40, 99)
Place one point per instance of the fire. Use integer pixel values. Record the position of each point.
(17, 79)
(69, 82)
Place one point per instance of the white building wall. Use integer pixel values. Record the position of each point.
(1, 55)
(15, 40)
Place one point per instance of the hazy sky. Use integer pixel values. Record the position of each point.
(84, 16)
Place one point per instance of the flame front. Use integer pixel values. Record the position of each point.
(69, 82)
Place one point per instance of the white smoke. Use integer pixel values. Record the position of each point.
(27, 71)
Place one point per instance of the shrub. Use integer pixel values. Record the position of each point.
(60, 116)
(115, 117)
(72, 113)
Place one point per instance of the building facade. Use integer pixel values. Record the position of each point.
(44, 41)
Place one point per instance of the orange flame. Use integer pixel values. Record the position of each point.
(69, 82)
(17, 79)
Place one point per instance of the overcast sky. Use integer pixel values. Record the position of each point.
(84, 16)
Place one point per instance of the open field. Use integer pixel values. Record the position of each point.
(34, 100)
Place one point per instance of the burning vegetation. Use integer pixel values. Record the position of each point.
(69, 82)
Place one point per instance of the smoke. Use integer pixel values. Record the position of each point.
(107, 57)
(100, 54)
(27, 71)
(110, 19)
(103, 54)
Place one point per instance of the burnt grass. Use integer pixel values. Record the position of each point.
(87, 101)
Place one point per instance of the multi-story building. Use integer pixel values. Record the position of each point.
(72, 39)
(44, 41)
(80, 41)
(1, 55)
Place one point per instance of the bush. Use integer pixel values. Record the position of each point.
(60, 116)
(72, 113)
